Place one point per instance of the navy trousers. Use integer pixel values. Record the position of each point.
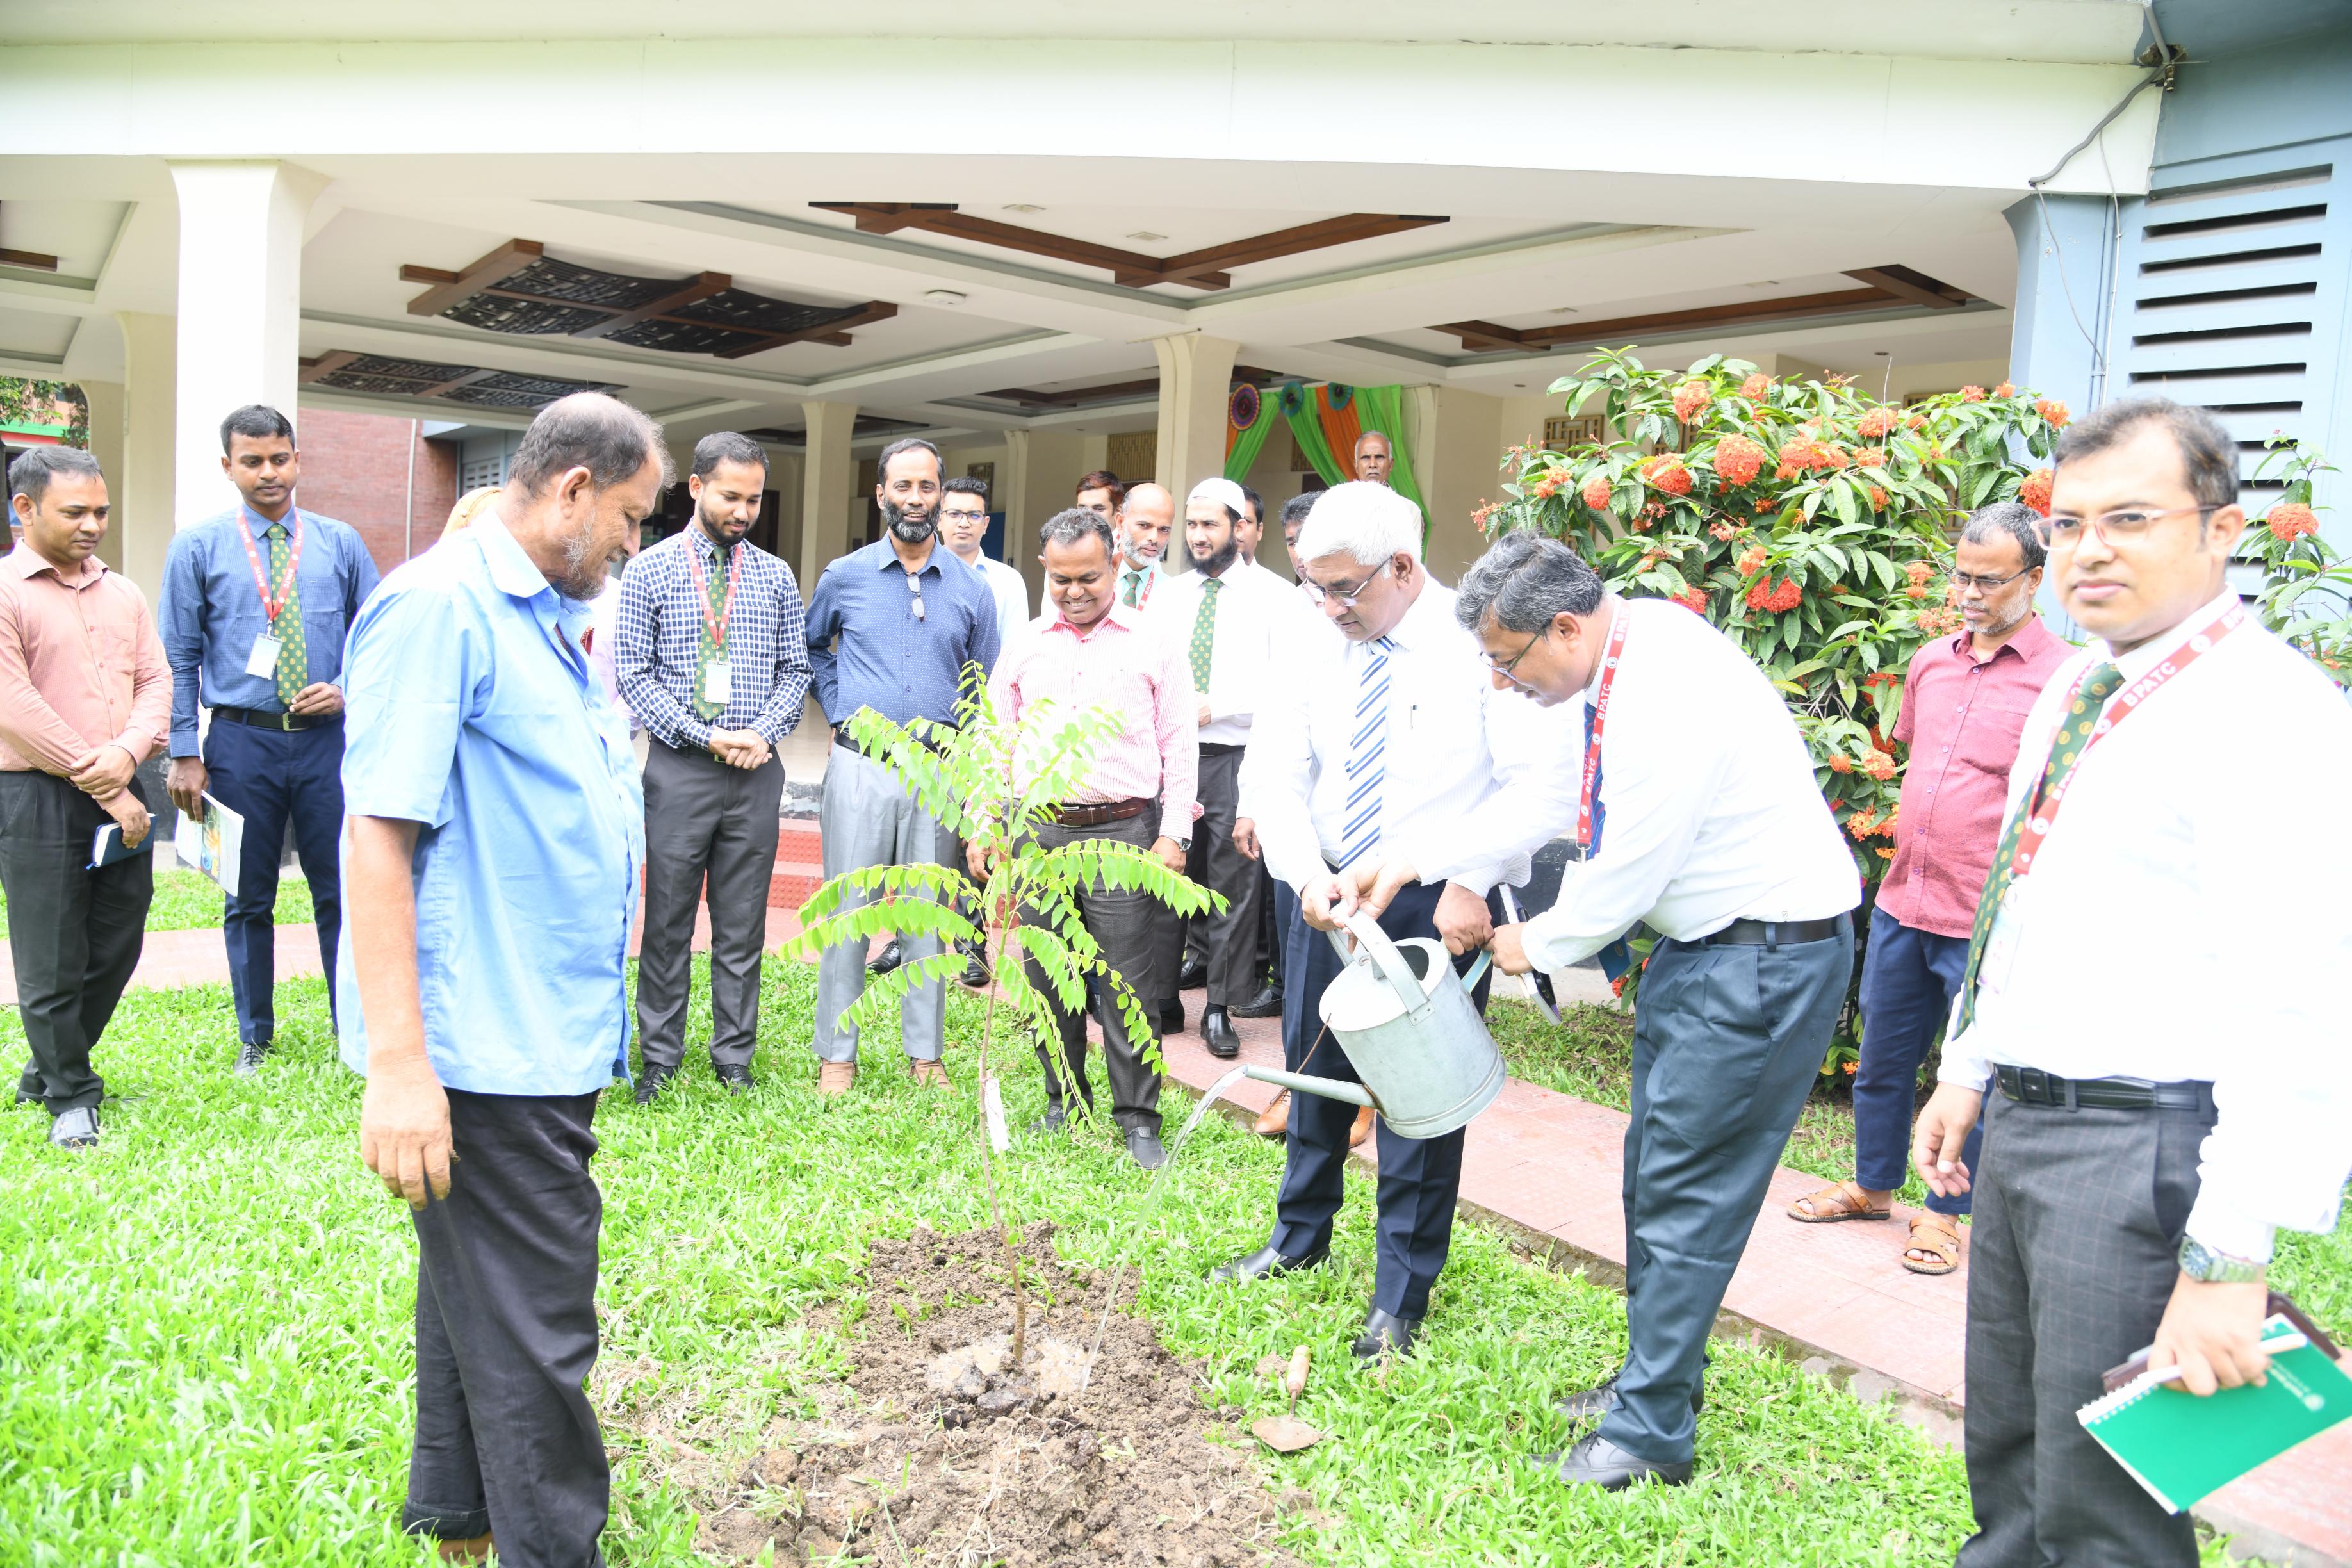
(1419, 1176)
(271, 777)
(1908, 980)
(1726, 1043)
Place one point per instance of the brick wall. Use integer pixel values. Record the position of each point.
(356, 469)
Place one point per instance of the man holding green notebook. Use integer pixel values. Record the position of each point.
(2147, 1019)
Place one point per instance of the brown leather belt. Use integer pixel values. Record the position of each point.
(1094, 814)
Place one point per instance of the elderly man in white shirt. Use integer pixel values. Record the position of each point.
(1695, 799)
(1387, 733)
(2157, 1110)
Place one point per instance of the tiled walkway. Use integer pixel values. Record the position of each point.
(1547, 1168)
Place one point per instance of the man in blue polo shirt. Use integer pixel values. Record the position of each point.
(496, 834)
(255, 605)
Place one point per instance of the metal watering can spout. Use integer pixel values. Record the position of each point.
(1427, 1063)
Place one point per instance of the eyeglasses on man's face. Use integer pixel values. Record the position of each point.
(2125, 524)
(1347, 597)
(1965, 581)
(1505, 669)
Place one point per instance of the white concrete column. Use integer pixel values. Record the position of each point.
(1196, 377)
(1022, 515)
(1456, 437)
(828, 480)
(240, 311)
(144, 514)
(784, 478)
(104, 401)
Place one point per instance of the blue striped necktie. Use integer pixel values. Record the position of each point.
(1368, 747)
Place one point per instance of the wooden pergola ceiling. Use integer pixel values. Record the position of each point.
(519, 289)
(341, 370)
(1204, 268)
(1113, 392)
(864, 428)
(1888, 288)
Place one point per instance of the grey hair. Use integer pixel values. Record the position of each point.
(2010, 520)
(1523, 580)
(1364, 522)
(726, 447)
(2208, 457)
(907, 444)
(588, 430)
(1296, 509)
(1077, 523)
(1373, 435)
(29, 475)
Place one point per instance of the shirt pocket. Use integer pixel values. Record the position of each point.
(1990, 741)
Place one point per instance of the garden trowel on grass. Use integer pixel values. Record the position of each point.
(1286, 1434)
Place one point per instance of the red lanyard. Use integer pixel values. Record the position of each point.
(271, 605)
(2124, 704)
(702, 595)
(1608, 657)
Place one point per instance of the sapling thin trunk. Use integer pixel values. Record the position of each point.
(988, 1153)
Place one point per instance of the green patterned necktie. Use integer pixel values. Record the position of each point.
(1132, 585)
(2073, 739)
(1204, 633)
(293, 657)
(717, 587)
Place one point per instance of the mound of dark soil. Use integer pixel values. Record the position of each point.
(942, 1451)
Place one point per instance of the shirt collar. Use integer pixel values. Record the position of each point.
(2029, 639)
(27, 563)
(1425, 619)
(1119, 615)
(2159, 649)
(261, 525)
(511, 572)
(887, 559)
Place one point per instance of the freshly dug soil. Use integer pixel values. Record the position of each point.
(941, 1452)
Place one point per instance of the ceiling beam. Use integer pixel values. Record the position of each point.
(326, 364)
(702, 285)
(1916, 288)
(1076, 396)
(31, 260)
(835, 332)
(442, 389)
(448, 288)
(1485, 336)
(1320, 235)
(889, 218)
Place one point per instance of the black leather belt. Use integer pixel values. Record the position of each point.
(1095, 814)
(1219, 749)
(2031, 1086)
(842, 737)
(1771, 933)
(255, 718)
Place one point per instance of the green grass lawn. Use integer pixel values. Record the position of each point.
(189, 900)
(204, 1326)
(1590, 1054)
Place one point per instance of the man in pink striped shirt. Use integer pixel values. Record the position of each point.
(1090, 651)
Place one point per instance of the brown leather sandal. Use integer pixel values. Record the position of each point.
(1834, 1205)
(1942, 1243)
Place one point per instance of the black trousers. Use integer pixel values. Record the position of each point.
(2072, 1260)
(272, 777)
(1420, 1177)
(507, 1442)
(1727, 1043)
(1126, 925)
(74, 933)
(1226, 941)
(705, 821)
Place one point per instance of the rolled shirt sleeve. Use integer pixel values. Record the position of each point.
(410, 676)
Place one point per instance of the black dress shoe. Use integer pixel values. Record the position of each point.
(1171, 1019)
(76, 1129)
(888, 959)
(1266, 1004)
(1192, 976)
(1597, 1462)
(1217, 1034)
(1590, 1403)
(654, 1079)
(1143, 1147)
(249, 1057)
(737, 1076)
(1054, 1120)
(975, 965)
(1385, 1333)
(1265, 1263)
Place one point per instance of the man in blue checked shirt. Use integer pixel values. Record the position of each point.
(496, 833)
(712, 652)
(255, 605)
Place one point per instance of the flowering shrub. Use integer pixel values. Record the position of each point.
(2306, 595)
(1809, 522)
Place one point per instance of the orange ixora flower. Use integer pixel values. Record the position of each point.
(2053, 411)
(1752, 562)
(1840, 762)
(1801, 453)
(1972, 393)
(1884, 853)
(2005, 389)
(1861, 824)
(1665, 472)
(1919, 571)
(1725, 532)
(1878, 499)
(1691, 399)
(1876, 423)
(1765, 596)
(1596, 492)
(1694, 600)
(1870, 456)
(1918, 590)
(1878, 765)
(2291, 521)
(1548, 486)
(1738, 459)
(1757, 387)
(2035, 490)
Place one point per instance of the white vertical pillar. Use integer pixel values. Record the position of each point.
(1022, 515)
(104, 401)
(240, 311)
(827, 483)
(1196, 377)
(145, 515)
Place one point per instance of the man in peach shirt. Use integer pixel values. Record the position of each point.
(85, 697)
(1092, 651)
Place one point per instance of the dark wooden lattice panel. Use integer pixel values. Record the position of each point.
(510, 389)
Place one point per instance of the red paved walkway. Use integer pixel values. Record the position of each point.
(1547, 1167)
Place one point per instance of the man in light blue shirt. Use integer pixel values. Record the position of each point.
(496, 834)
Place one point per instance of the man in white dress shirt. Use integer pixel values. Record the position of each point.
(2162, 1109)
(1389, 734)
(1694, 797)
(963, 525)
(1222, 617)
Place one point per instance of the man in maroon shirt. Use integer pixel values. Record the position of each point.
(1964, 703)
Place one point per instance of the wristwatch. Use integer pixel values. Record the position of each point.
(1185, 845)
(2202, 1264)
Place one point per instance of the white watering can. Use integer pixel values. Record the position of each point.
(1409, 1026)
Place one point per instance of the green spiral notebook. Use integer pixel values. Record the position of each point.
(2182, 1448)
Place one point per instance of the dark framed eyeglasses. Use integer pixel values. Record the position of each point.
(1505, 669)
(915, 587)
(1347, 597)
(1964, 580)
